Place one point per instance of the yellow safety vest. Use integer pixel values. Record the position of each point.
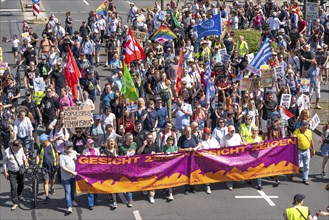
(38, 97)
(294, 214)
(42, 152)
(242, 48)
(246, 131)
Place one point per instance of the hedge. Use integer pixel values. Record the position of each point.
(252, 38)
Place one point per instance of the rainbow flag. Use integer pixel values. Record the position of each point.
(102, 9)
(163, 34)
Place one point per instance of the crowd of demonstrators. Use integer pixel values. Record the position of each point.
(166, 120)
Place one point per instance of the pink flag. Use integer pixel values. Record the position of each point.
(285, 113)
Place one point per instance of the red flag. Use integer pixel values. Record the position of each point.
(179, 71)
(285, 113)
(134, 51)
(72, 73)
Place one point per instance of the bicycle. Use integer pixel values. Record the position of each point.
(35, 184)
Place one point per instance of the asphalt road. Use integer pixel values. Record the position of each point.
(221, 204)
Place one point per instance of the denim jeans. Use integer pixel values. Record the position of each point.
(26, 142)
(69, 188)
(304, 158)
(92, 198)
(129, 196)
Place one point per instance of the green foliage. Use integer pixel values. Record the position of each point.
(252, 37)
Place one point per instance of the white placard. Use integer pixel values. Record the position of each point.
(285, 100)
(162, 15)
(304, 85)
(315, 121)
(39, 84)
(278, 71)
(312, 11)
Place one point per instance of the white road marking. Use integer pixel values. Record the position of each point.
(10, 9)
(2, 0)
(262, 196)
(137, 215)
(85, 2)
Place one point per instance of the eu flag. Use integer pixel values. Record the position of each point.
(211, 26)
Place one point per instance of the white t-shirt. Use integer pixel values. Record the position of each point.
(228, 140)
(67, 161)
(212, 143)
(15, 43)
(108, 120)
(23, 128)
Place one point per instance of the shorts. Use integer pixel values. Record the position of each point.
(325, 150)
(47, 175)
(264, 125)
(316, 88)
(14, 49)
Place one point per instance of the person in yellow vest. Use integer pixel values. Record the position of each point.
(242, 46)
(37, 96)
(245, 131)
(298, 211)
(305, 146)
(47, 160)
(205, 51)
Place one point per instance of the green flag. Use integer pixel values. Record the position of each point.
(128, 87)
(176, 24)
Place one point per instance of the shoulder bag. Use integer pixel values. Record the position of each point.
(22, 169)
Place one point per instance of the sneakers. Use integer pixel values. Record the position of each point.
(208, 190)
(114, 205)
(323, 174)
(74, 203)
(151, 198)
(318, 107)
(230, 188)
(69, 210)
(14, 207)
(52, 191)
(20, 198)
(46, 200)
(277, 183)
(130, 204)
(90, 207)
(259, 187)
(186, 192)
(307, 182)
(170, 197)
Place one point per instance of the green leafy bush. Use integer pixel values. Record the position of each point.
(252, 37)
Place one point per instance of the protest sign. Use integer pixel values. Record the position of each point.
(162, 15)
(222, 52)
(312, 11)
(131, 106)
(278, 72)
(250, 57)
(304, 85)
(315, 121)
(3, 67)
(266, 79)
(285, 100)
(226, 59)
(249, 84)
(140, 36)
(160, 171)
(39, 84)
(77, 116)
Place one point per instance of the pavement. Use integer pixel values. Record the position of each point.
(244, 202)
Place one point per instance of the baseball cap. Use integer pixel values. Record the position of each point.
(97, 117)
(43, 137)
(221, 105)
(158, 99)
(27, 93)
(230, 128)
(90, 141)
(68, 144)
(29, 46)
(43, 57)
(298, 198)
(207, 130)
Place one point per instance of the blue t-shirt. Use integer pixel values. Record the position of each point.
(183, 142)
(162, 116)
(107, 98)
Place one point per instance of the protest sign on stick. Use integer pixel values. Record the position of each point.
(77, 116)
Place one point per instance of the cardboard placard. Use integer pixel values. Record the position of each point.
(315, 121)
(77, 116)
(140, 36)
(39, 84)
(249, 84)
(285, 100)
(266, 79)
(305, 85)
